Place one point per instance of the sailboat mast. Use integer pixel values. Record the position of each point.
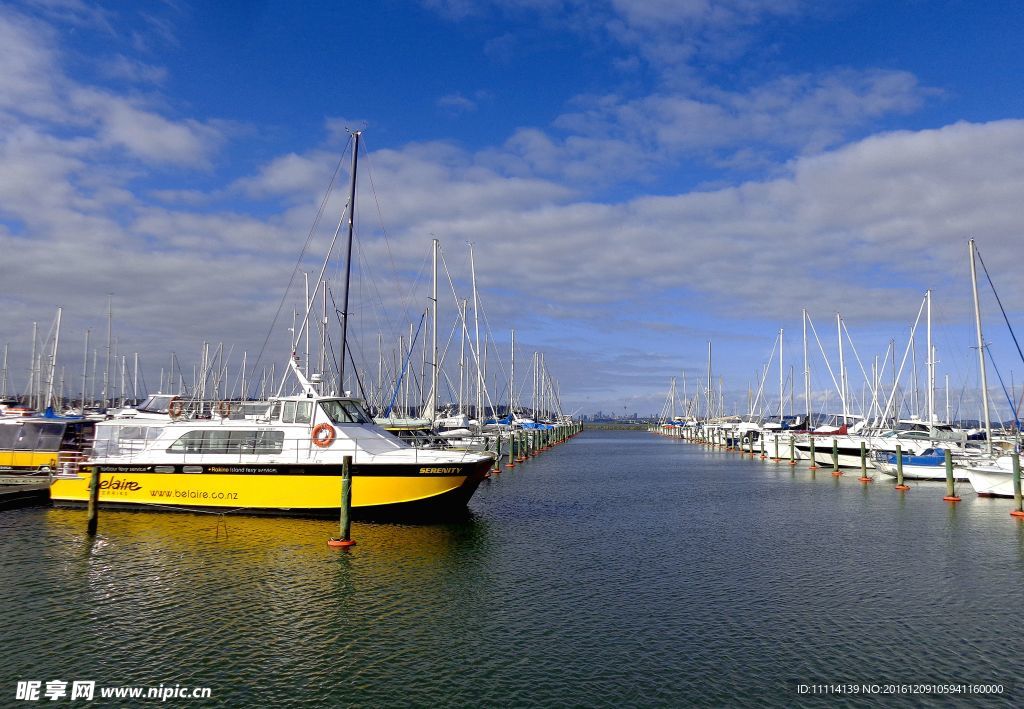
(707, 413)
(85, 370)
(53, 360)
(512, 377)
(348, 259)
(476, 339)
(981, 349)
(782, 380)
(842, 367)
(431, 408)
(807, 372)
(931, 362)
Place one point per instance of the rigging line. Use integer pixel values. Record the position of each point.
(302, 253)
(380, 216)
(405, 365)
(1000, 302)
(856, 356)
(821, 349)
(383, 322)
(1009, 399)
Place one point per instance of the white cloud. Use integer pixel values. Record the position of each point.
(145, 134)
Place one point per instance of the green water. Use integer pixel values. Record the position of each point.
(618, 569)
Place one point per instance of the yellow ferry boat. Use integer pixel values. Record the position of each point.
(286, 459)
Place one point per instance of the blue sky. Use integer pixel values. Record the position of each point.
(637, 177)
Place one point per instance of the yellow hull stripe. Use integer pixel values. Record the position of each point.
(255, 491)
(28, 460)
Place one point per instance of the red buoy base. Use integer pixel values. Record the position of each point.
(812, 467)
(866, 479)
(1017, 513)
(836, 473)
(511, 465)
(903, 487)
(341, 543)
(951, 498)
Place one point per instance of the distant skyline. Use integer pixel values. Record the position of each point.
(636, 178)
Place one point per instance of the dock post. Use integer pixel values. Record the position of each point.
(950, 495)
(94, 502)
(1016, 511)
(345, 515)
(814, 461)
(899, 469)
(864, 463)
(761, 438)
(835, 458)
(496, 466)
(512, 436)
(776, 447)
(792, 449)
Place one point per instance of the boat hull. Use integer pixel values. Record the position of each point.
(991, 482)
(288, 490)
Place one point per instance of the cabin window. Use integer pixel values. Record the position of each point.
(275, 411)
(288, 416)
(8, 433)
(304, 412)
(218, 442)
(26, 438)
(50, 435)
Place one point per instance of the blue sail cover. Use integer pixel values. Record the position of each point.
(931, 458)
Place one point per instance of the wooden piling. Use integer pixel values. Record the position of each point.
(899, 469)
(93, 510)
(951, 496)
(864, 463)
(835, 458)
(345, 514)
(1016, 511)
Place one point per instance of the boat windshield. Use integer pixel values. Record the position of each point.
(344, 411)
(156, 404)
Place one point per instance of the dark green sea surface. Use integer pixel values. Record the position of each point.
(618, 569)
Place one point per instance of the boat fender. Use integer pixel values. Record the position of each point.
(224, 409)
(323, 435)
(176, 408)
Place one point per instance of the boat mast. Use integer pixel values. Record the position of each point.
(348, 259)
(512, 379)
(807, 372)
(782, 381)
(476, 339)
(3, 381)
(981, 349)
(842, 368)
(931, 362)
(431, 409)
(707, 413)
(53, 360)
(110, 338)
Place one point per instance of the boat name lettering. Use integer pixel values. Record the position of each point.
(438, 471)
(115, 484)
(125, 469)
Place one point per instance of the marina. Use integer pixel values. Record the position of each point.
(684, 575)
(333, 338)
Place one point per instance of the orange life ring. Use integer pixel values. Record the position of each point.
(176, 408)
(224, 409)
(323, 435)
